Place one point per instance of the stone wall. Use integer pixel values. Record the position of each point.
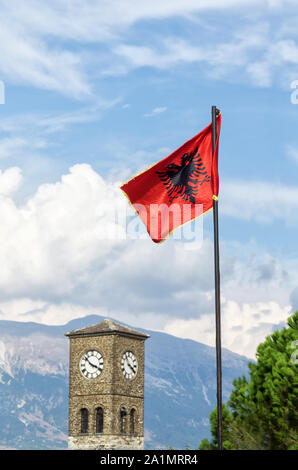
(111, 405)
(110, 390)
(111, 442)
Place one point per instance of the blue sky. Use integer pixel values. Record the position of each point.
(97, 91)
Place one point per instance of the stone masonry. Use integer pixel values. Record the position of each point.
(110, 391)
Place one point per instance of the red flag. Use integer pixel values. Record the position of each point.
(179, 188)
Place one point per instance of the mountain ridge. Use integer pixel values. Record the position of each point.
(180, 385)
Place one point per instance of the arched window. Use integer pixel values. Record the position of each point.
(99, 420)
(123, 421)
(84, 421)
(132, 417)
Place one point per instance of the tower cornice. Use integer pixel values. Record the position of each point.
(107, 327)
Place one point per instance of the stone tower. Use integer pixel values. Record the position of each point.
(106, 387)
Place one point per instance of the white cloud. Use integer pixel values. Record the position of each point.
(156, 111)
(46, 44)
(256, 52)
(42, 123)
(12, 145)
(260, 201)
(10, 181)
(260, 73)
(172, 52)
(54, 236)
(55, 264)
(221, 58)
(244, 326)
(28, 310)
(59, 261)
(88, 20)
(28, 140)
(28, 60)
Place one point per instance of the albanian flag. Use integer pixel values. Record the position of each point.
(179, 188)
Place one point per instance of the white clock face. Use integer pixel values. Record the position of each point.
(91, 364)
(129, 365)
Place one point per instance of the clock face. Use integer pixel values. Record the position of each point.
(91, 364)
(129, 365)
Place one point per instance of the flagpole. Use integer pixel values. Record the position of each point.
(215, 113)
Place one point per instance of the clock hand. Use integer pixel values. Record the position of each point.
(128, 364)
(131, 365)
(92, 365)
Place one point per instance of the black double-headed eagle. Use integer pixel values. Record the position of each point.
(183, 180)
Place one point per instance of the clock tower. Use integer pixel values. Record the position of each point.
(106, 387)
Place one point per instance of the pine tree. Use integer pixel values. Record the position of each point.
(262, 413)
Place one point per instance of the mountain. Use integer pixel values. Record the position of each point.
(180, 386)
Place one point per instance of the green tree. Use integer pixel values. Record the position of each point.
(262, 413)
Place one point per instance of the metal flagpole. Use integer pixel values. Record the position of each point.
(215, 113)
